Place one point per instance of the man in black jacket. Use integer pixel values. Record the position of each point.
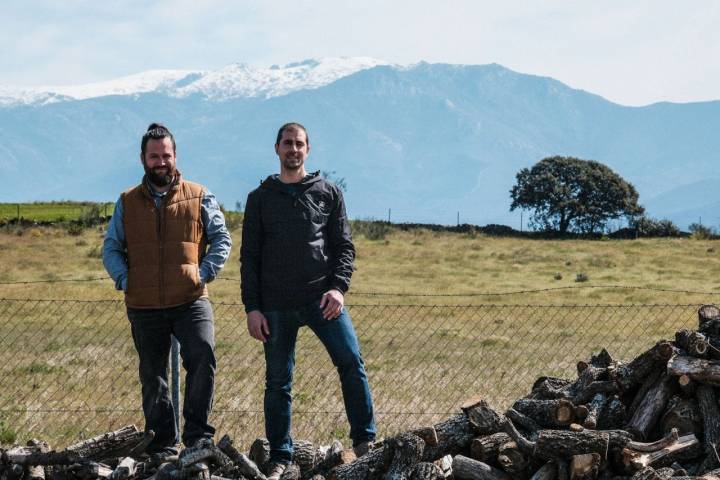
(296, 263)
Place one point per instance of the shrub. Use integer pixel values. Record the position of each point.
(370, 229)
(582, 277)
(700, 231)
(650, 227)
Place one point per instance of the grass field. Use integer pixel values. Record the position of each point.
(52, 211)
(69, 368)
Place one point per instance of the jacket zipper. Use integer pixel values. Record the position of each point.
(160, 233)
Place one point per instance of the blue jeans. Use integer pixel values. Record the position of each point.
(340, 341)
(192, 324)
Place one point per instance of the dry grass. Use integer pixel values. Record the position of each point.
(415, 262)
(78, 358)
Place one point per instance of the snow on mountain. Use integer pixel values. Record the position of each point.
(233, 81)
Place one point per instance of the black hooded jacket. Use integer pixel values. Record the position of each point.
(294, 247)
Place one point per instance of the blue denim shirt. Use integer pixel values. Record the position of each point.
(218, 237)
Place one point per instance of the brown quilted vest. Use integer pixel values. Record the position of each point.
(164, 247)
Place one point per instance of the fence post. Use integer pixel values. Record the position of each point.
(175, 387)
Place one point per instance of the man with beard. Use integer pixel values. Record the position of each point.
(296, 263)
(166, 241)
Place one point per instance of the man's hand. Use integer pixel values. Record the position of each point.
(258, 325)
(332, 303)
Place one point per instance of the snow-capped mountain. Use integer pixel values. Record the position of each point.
(234, 81)
(425, 141)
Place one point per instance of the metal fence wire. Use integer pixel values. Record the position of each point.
(69, 368)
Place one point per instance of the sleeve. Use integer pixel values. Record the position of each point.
(114, 251)
(251, 254)
(340, 245)
(219, 240)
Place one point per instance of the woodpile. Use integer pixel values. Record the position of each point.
(655, 417)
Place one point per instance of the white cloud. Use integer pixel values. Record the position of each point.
(631, 52)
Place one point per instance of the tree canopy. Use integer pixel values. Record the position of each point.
(571, 194)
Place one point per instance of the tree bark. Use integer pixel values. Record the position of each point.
(584, 467)
(708, 406)
(683, 415)
(613, 416)
(692, 342)
(108, 445)
(512, 460)
(709, 319)
(546, 472)
(651, 408)
(595, 407)
(245, 466)
(407, 451)
(547, 413)
(526, 423)
(703, 371)
(485, 449)
(426, 471)
(635, 372)
(260, 453)
(468, 469)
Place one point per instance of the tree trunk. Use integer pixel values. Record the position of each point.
(108, 445)
(552, 444)
(635, 372)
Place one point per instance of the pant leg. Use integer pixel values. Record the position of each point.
(279, 366)
(338, 337)
(194, 329)
(151, 335)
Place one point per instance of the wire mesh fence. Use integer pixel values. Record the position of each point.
(69, 368)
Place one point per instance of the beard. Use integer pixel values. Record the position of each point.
(293, 163)
(161, 180)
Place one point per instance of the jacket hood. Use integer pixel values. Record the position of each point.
(273, 182)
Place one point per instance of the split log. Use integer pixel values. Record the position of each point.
(245, 466)
(549, 388)
(329, 457)
(637, 456)
(652, 407)
(526, 423)
(426, 471)
(260, 452)
(584, 467)
(486, 448)
(553, 444)
(694, 343)
(108, 445)
(465, 468)
(708, 406)
(292, 472)
(709, 319)
(428, 435)
(454, 435)
(205, 451)
(687, 386)
(482, 418)
(547, 413)
(125, 469)
(683, 415)
(629, 375)
(563, 469)
(512, 460)
(602, 360)
(90, 470)
(445, 465)
(546, 472)
(32, 456)
(613, 416)
(407, 450)
(595, 406)
(700, 370)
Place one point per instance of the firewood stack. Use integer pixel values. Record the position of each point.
(656, 417)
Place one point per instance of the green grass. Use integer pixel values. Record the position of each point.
(51, 211)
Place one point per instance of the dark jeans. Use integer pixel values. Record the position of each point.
(192, 325)
(339, 339)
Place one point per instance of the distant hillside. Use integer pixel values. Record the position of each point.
(425, 141)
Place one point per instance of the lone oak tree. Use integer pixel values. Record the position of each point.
(568, 193)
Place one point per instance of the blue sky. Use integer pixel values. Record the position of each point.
(633, 53)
